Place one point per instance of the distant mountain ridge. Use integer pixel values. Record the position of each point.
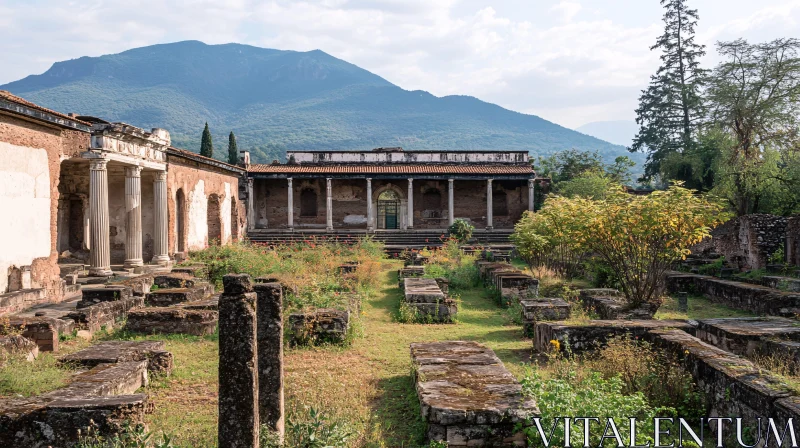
(274, 100)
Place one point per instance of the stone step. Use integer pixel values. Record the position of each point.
(93, 296)
(122, 378)
(112, 352)
(103, 314)
(174, 296)
(172, 320)
(467, 397)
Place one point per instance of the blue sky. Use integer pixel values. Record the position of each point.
(569, 61)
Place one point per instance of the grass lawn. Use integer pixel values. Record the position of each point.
(699, 308)
(366, 387)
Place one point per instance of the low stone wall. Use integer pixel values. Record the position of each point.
(409, 272)
(112, 352)
(172, 320)
(788, 284)
(14, 302)
(319, 326)
(174, 296)
(609, 304)
(104, 314)
(588, 336)
(467, 397)
(16, 345)
(93, 296)
(43, 331)
(732, 385)
(424, 295)
(743, 296)
(747, 336)
(198, 270)
(543, 309)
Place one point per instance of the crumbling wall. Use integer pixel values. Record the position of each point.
(793, 240)
(30, 156)
(198, 182)
(747, 241)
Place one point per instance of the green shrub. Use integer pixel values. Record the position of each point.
(461, 230)
(316, 430)
(712, 268)
(131, 436)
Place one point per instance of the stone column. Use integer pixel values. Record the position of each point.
(450, 206)
(251, 217)
(370, 223)
(329, 205)
(531, 195)
(238, 425)
(161, 219)
(133, 216)
(100, 253)
(270, 355)
(290, 211)
(489, 223)
(410, 225)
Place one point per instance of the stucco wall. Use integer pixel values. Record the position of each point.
(198, 182)
(29, 168)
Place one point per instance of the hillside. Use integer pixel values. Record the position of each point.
(276, 100)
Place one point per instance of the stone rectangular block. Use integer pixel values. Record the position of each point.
(111, 352)
(588, 336)
(270, 355)
(422, 290)
(174, 296)
(172, 320)
(319, 326)
(103, 314)
(195, 270)
(93, 296)
(544, 309)
(237, 283)
(467, 397)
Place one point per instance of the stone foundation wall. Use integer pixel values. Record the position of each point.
(793, 240)
(747, 241)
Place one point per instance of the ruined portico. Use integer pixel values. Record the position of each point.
(390, 189)
(113, 198)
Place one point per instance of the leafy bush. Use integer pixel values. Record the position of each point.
(131, 436)
(316, 430)
(461, 230)
(712, 268)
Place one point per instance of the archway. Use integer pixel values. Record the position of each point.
(214, 220)
(389, 210)
(180, 220)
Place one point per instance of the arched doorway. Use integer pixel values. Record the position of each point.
(180, 220)
(389, 210)
(214, 220)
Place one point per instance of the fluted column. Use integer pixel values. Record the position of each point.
(489, 224)
(133, 217)
(370, 224)
(410, 204)
(290, 211)
(251, 217)
(531, 195)
(329, 205)
(450, 206)
(160, 240)
(100, 253)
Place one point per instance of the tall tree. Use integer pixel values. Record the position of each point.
(233, 152)
(754, 98)
(671, 108)
(206, 145)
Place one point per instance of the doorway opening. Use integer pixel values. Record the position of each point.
(388, 210)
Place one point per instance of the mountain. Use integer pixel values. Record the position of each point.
(617, 132)
(276, 100)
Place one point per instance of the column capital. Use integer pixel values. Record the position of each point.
(289, 180)
(133, 171)
(161, 176)
(531, 182)
(451, 180)
(489, 180)
(98, 164)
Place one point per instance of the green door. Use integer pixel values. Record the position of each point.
(389, 209)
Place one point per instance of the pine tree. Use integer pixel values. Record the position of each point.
(671, 108)
(233, 152)
(206, 145)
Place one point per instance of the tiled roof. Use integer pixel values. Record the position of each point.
(193, 155)
(8, 96)
(392, 169)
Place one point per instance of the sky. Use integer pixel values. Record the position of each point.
(569, 61)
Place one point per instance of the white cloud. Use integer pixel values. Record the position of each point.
(568, 62)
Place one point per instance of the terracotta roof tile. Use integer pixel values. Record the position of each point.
(392, 169)
(6, 95)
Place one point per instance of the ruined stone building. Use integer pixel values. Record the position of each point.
(390, 189)
(79, 189)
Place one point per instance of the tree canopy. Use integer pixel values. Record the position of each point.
(206, 145)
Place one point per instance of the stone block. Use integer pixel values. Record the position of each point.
(93, 296)
(445, 311)
(237, 283)
(174, 296)
(745, 336)
(195, 270)
(42, 330)
(211, 303)
(467, 397)
(176, 280)
(444, 285)
(103, 380)
(588, 336)
(238, 424)
(347, 268)
(609, 304)
(422, 290)
(319, 326)
(112, 352)
(16, 345)
(544, 309)
(172, 320)
(788, 284)
(103, 314)
(140, 285)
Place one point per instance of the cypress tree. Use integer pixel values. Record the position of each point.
(233, 152)
(206, 145)
(671, 108)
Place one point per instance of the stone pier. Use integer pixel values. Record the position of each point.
(270, 355)
(239, 422)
